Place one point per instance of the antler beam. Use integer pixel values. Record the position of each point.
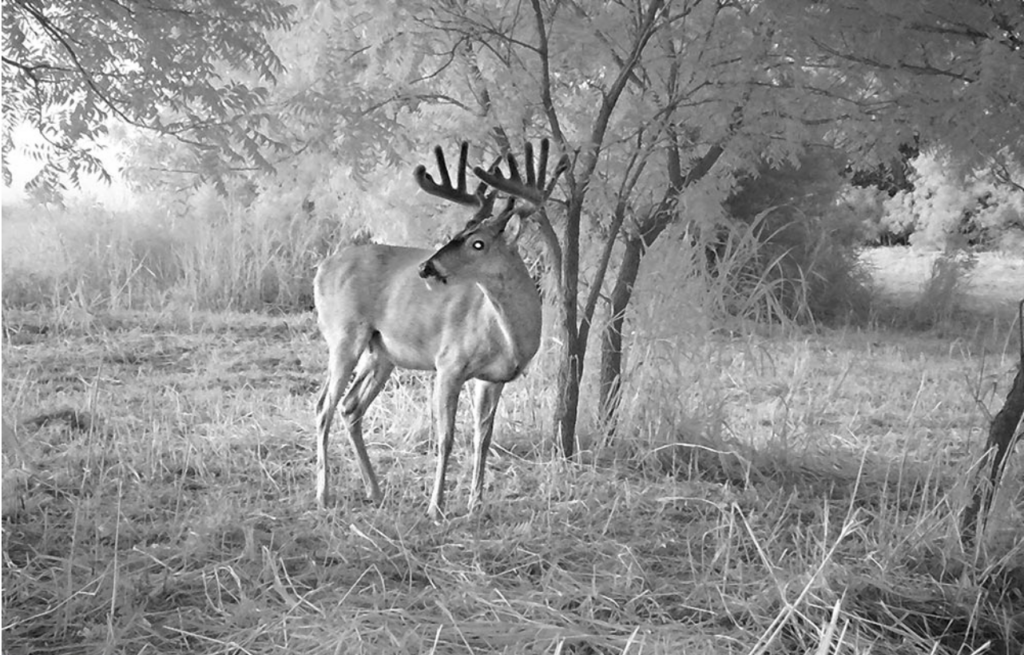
(533, 190)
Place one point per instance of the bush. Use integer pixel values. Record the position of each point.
(802, 242)
(948, 208)
(868, 206)
(943, 292)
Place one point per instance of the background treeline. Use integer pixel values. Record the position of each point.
(256, 247)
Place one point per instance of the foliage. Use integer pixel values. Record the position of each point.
(867, 205)
(192, 72)
(805, 245)
(889, 177)
(947, 208)
(916, 73)
(943, 206)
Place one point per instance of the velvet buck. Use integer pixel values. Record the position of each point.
(469, 311)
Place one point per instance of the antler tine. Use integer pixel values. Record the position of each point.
(513, 170)
(442, 167)
(512, 185)
(531, 174)
(533, 190)
(542, 165)
(463, 155)
(457, 194)
(481, 189)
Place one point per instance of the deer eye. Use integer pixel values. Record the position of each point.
(479, 244)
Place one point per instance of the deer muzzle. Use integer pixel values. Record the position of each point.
(429, 271)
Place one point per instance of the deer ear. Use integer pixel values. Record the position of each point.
(513, 229)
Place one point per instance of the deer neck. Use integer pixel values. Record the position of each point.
(516, 306)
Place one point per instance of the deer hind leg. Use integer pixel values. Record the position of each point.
(446, 401)
(343, 355)
(372, 372)
(485, 406)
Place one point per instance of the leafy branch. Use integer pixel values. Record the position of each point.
(70, 66)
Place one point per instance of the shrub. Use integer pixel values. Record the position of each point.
(944, 290)
(947, 207)
(806, 242)
(868, 206)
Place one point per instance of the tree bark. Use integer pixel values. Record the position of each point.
(570, 368)
(1001, 436)
(567, 409)
(1004, 426)
(622, 293)
(611, 338)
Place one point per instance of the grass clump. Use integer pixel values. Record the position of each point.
(792, 244)
(946, 289)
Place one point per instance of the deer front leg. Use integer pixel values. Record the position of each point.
(485, 406)
(446, 402)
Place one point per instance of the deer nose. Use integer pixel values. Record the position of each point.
(429, 270)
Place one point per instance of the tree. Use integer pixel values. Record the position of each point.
(191, 71)
(916, 73)
(662, 104)
(649, 98)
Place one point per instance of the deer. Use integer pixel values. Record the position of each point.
(469, 311)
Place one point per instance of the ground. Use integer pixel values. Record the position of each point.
(792, 492)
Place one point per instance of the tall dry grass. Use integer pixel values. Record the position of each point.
(945, 291)
(210, 252)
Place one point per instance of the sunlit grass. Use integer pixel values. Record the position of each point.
(763, 494)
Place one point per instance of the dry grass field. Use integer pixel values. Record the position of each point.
(995, 286)
(797, 492)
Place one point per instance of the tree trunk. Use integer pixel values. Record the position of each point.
(611, 338)
(570, 368)
(649, 20)
(636, 247)
(567, 388)
(1001, 434)
(566, 411)
(1004, 426)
